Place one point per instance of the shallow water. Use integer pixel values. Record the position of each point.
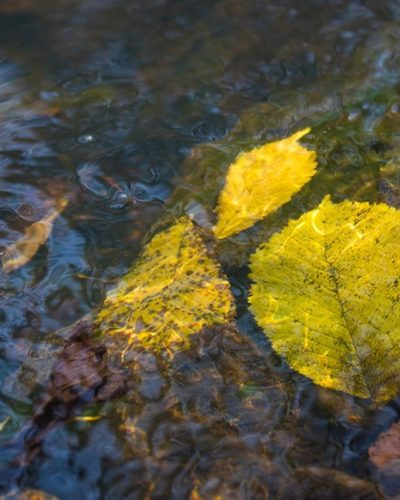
(132, 111)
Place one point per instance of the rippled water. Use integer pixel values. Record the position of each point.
(132, 110)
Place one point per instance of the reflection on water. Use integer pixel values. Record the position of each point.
(132, 110)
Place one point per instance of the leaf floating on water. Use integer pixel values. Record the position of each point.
(175, 289)
(262, 180)
(326, 291)
(22, 251)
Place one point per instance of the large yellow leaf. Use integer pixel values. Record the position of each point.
(175, 289)
(327, 293)
(260, 181)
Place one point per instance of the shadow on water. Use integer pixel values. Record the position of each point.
(132, 110)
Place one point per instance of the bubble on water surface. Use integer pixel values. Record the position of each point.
(86, 139)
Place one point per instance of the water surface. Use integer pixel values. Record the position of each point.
(132, 110)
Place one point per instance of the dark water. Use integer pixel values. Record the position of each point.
(103, 102)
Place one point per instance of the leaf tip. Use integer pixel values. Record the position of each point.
(219, 233)
(326, 199)
(301, 133)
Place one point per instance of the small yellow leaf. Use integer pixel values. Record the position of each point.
(22, 251)
(262, 180)
(175, 289)
(327, 293)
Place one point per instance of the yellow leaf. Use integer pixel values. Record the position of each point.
(175, 289)
(22, 251)
(262, 180)
(327, 293)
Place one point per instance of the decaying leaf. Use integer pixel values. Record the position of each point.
(175, 289)
(22, 251)
(385, 452)
(327, 293)
(260, 181)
